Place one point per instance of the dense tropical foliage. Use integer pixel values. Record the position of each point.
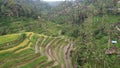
(91, 25)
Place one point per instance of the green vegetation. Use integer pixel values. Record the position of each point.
(18, 56)
(62, 34)
(9, 38)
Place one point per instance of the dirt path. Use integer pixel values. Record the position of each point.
(58, 48)
(67, 58)
(61, 53)
(68, 55)
(41, 49)
(47, 54)
(48, 50)
(56, 52)
(36, 46)
(42, 42)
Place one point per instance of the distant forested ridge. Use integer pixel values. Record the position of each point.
(18, 8)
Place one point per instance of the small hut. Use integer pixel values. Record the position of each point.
(111, 50)
(113, 42)
(39, 18)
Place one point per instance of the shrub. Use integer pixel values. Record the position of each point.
(23, 35)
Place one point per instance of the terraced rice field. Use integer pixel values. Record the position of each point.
(35, 51)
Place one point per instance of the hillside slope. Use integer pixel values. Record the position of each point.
(30, 50)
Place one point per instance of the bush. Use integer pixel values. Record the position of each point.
(23, 35)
